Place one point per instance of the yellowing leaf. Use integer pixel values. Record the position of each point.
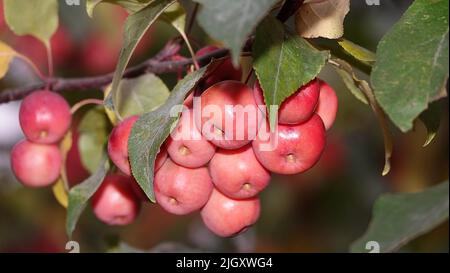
(131, 6)
(322, 18)
(6, 56)
(60, 193)
(358, 52)
(61, 186)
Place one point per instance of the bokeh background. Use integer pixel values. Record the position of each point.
(323, 210)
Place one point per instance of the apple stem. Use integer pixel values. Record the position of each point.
(82, 103)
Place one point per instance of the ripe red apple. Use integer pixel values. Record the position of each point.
(297, 108)
(118, 146)
(228, 217)
(237, 173)
(290, 149)
(227, 115)
(36, 165)
(328, 104)
(186, 145)
(44, 117)
(225, 71)
(181, 190)
(114, 202)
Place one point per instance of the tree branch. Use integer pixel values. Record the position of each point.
(157, 65)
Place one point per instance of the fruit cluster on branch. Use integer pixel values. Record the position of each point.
(218, 158)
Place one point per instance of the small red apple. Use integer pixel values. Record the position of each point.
(228, 217)
(118, 146)
(114, 202)
(297, 108)
(45, 117)
(181, 190)
(237, 173)
(290, 149)
(328, 105)
(36, 165)
(227, 115)
(186, 145)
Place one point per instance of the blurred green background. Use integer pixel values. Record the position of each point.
(323, 210)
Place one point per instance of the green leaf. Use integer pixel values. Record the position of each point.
(358, 52)
(400, 218)
(412, 62)
(431, 118)
(81, 193)
(38, 18)
(131, 6)
(135, 27)
(93, 131)
(283, 62)
(140, 95)
(152, 129)
(232, 21)
(176, 16)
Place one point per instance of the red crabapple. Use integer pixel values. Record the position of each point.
(228, 217)
(293, 148)
(297, 108)
(181, 190)
(328, 104)
(237, 173)
(44, 117)
(118, 146)
(36, 165)
(114, 202)
(225, 71)
(227, 114)
(186, 145)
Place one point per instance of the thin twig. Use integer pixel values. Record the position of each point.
(157, 65)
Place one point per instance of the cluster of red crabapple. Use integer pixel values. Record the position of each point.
(204, 164)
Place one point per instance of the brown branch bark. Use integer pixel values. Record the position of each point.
(157, 65)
